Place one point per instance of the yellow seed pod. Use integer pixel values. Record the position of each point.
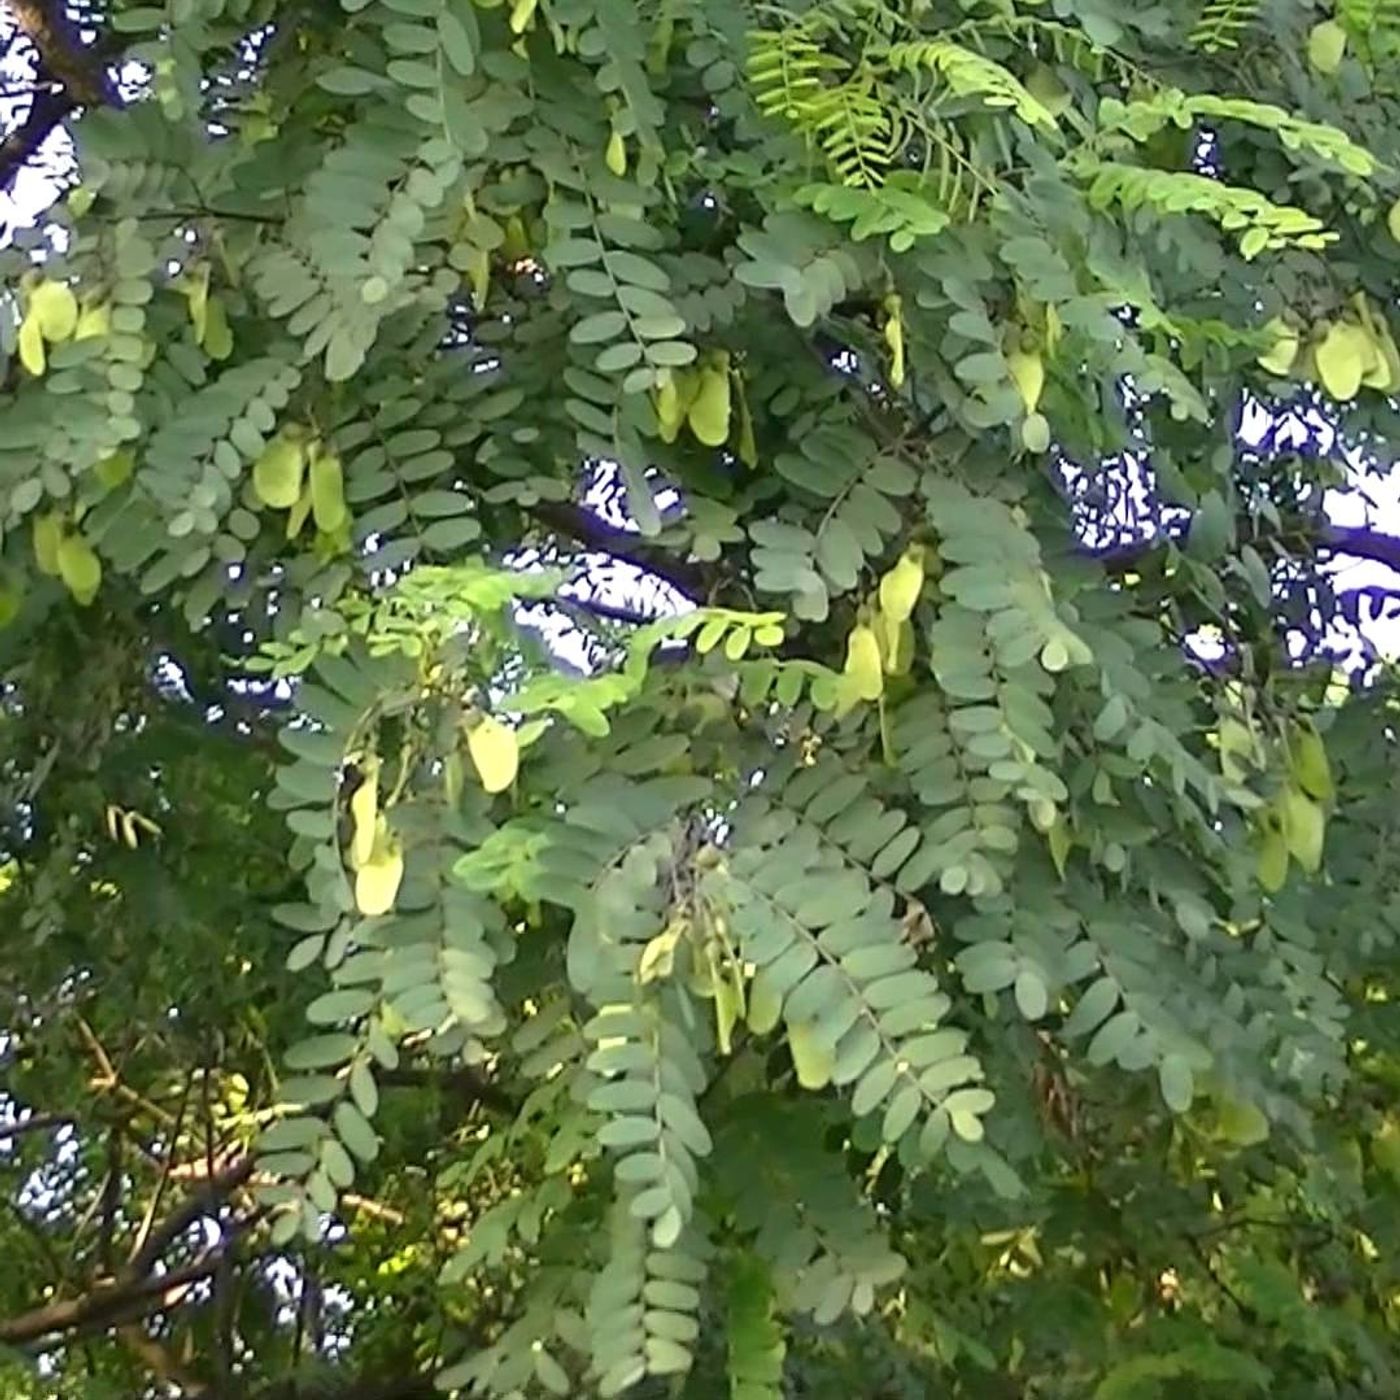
(901, 586)
(894, 338)
(364, 812)
(80, 568)
(1304, 828)
(1327, 44)
(1028, 374)
(55, 308)
(31, 347)
(670, 412)
(616, 154)
(709, 410)
(1384, 372)
(1271, 857)
(327, 491)
(1392, 221)
(1282, 353)
(729, 1006)
(522, 15)
(863, 662)
(747, 446)
(277, 474)
(377, 881)
(299, 513)
(495, 752)
(93, 321)
(48, 535)
(1342, 357)
(218, 338)
(517, 242)
(899, 649)
(478, 270)
(1043, 83)
(1310, 766)
(765, 1005)
(813, 1055)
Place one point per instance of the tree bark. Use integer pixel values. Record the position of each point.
(70, 75)
(134, 1290)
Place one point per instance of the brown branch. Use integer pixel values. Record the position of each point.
(157, 1359)
(399, 1387)
(1353, 541)
(200, 1203)
(35, 1123)
(376, 1210)
(1362, 543)
(585, 527)
(107, 1300)
(464, 1081)
(111, 1194)
(135, 1291)
(158, 1195)
(22, 144)
(75, 69)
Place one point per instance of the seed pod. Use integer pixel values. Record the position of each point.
(80, 568)
(1304, 828)
(616, 155)
(1327, 44)
(364, 811)
(277, 474)
(48, 535)
(813, 1055)
(1271, 864)
(1028, 373)
(1282, 354)
(54, 307)
(901, 586)
(894, 338)
(1342, 357)
(863, 663)
(495, 753)
(709, 413)
(327, 491)
(377, 881)
(670, 411)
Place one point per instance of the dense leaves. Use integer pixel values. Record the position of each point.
(931, 932)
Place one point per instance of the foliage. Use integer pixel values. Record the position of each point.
(907, 966)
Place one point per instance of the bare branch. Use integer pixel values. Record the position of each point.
(595, 535)
(35, 1123)
(1361, 542)
(198, 1204)
(63, 59)
(107, 1300)
(159, 1361)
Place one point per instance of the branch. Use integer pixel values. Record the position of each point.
(353, 1388)
(159, 1361)
(1363, 542)
(35, 1123)
(16, 151)
(135, 1291)
(103, 1302)
(588, 529)
(200, 1203)
(464, 1081)
(75, 69)
(1358, 541)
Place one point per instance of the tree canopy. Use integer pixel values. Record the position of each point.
(677, 718)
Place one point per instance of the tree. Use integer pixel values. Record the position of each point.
(936, 932)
